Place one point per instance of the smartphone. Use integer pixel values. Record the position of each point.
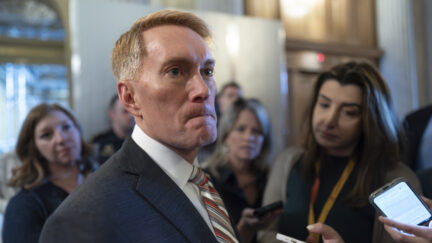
(259, 212)
(397, 201)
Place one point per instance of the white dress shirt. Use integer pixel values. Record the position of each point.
(177, 168)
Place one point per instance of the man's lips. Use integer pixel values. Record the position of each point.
(203, 115)
(204, 112)
(203, 118)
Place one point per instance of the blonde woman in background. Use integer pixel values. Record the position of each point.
(239, 164)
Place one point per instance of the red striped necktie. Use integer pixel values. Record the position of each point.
(215, 207)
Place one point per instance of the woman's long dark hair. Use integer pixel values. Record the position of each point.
(380, 145)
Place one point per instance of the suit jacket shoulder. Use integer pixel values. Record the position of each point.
(415, 124)
(129, 199)
(419, 115)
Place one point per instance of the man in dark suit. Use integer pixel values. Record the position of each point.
(415, 125)
(142, 193)
(111, 140)
(418, 127)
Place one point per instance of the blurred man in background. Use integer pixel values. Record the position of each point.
(122, 122)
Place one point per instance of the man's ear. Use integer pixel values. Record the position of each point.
(126, 93)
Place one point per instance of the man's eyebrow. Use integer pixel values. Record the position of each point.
(210, 62)
(343, 104)
(186, 60)
(176, 60)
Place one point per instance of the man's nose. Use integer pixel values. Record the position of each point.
(200, 88)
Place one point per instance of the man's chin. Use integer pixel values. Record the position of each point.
(207, 139)
(206, 135)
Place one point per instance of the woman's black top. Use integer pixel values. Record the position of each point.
(234, 197)
(27, 212)
(353, 224)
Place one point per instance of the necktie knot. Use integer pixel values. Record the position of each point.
(215, 207)
(198, 177)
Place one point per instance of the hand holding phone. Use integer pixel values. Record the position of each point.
(259, 212)
(397, 201)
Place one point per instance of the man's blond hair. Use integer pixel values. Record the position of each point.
(129, 49)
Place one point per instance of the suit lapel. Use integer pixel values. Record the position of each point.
(165, 196)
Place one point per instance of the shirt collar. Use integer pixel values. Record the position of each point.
(177, 168)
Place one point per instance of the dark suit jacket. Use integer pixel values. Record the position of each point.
(415, 124)
(129, 199)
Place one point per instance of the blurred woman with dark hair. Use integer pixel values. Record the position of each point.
(55, 160)
(352, 147)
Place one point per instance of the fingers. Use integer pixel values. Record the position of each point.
(248, 217)
(327, 232)
(310, 239)
(419, 231)
(249, 220)
(248, 212)
(427, 201)
(323, 229)
(403, 237)
(396, 235)
(400, 226)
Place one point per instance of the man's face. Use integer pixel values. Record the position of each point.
(174, 96)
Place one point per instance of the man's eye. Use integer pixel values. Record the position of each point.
(66, 126)
(208, 72)
(174, 72)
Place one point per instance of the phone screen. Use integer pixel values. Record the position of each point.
(401, 204)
